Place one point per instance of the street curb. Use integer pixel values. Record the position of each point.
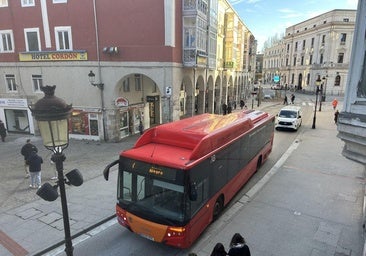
(52, 247)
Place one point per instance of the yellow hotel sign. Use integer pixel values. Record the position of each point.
(53, 56)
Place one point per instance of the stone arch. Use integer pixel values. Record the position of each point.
(199, 95)
(137, 98)
(209, 94)
(217, 96)
(186, 100)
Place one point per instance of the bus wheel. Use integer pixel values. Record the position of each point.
(218, 207)
(259, 163)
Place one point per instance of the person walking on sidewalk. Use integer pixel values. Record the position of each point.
(334, 103)
(218, 250)
(336, 114)
(238, 247)
(2, 131)
(26, 150)
(35, 161)
(292, 98)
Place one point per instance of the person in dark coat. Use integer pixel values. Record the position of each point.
(2, 131)
(26, 151)
(141, 128)
(242, 103)
(218, 250)
(224, 109)
(229, 108)
(238, 246)
(35, 162)
(292, 98)
(336, 114)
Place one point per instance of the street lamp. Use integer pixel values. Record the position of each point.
(91, 76)
(317, 83)
(52, 115)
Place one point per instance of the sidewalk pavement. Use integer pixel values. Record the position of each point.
(310, 203)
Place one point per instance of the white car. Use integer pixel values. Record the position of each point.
(289, 117)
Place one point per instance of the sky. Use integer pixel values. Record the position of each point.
(266, 18)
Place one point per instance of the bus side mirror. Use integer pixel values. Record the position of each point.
(193, 191)
(106, 169)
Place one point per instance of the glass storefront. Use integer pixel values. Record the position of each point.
(84, 123)
(17, 120)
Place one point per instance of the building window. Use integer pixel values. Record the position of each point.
(63, 38)
(295, 46)
(3, 3)
(337, 80)
(343, 38)
(323, 40)
(189, 38)
(321, 58)
(32, 40)
(59, 1)
(6, 42)
(346, 19)
(37, 83)
(312, 42)
(294, 61)
(302, 60)
(138, 82)
(303, 44)
(26, 3)
(126, 85)
(10, 81)
(340, 57)
(311, 59)
(286, 62)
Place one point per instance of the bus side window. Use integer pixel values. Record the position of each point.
(201, 196)
(193, 191)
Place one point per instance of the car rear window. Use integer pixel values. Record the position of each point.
(287, 114)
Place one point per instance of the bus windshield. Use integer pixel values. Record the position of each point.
(143, 192)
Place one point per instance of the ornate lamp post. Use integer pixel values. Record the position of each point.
(91, 76)
(52, 115)
(317, 83)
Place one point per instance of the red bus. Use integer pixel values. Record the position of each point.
(178, 176)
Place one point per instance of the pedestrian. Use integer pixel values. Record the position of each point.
(35, 161)
(292, 98)
(334, 103)
(141, 128)
(238, 247)
(2, 131)
(285, 101)
(26, 151)
(336, 116)
(242, 103)
(229, 108)
(218, 250)
(224, 108)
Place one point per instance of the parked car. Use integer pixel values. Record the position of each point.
(276, 87)
(289, 117)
